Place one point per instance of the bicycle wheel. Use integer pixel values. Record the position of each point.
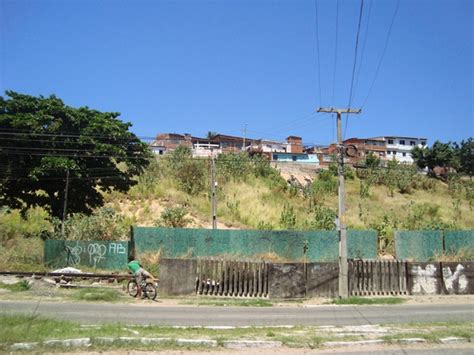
(132, 288)
(150, 291)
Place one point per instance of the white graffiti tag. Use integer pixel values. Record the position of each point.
(451, 279)
(116, 248)
(96, 253)
(424, 281)
(73, 255)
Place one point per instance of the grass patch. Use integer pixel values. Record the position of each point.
(97, 294)
(18, 328)
(16, 287)
(368, 301)
(223, 302)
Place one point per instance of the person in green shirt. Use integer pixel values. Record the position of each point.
(140, 274)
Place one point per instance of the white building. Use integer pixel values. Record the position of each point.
(399, 148)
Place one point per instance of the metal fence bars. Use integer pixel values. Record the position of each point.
(377, 277)
(232, 278)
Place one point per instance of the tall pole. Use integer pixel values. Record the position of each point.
(245, 134)
(65, 203)
(213, 191)
(341, 225)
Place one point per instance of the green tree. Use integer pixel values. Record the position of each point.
(42, 139)
(372, 161)
(466, 157)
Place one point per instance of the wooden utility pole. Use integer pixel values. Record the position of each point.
(213, 191)
(341, 225)
(65, 203)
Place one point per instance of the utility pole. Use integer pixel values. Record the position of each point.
(213, 191)
(245, 134)
(341, 225)
(65, 203)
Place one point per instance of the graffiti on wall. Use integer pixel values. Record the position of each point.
(428, 281)
(455, 282)
(92, 253)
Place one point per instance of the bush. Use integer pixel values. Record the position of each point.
(323, 218)
(13, 226)
(188, 173)
(326, 184)
(103, 224)
(288, 218)
(173, 217)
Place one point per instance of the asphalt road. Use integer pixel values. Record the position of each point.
(92, 313)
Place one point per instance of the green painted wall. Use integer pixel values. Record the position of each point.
(95, 254)
(457, 240)
(425, 245)
(418, 245)
(290, 245)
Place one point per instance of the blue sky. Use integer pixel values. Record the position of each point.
(199, 66)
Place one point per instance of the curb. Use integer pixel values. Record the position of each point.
(332, 344)
(243, 344)
(229, 344)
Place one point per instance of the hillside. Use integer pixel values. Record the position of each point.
(251, 195)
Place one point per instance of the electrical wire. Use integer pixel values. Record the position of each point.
(383, 53)
(317, 51)
(363, 45)
(335, 54)
(355, 63)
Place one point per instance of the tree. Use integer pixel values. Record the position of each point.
(440, 154)
(372, 161)
(42, 140)
(466, 157)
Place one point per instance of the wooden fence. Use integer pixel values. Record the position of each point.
(377, 277)
(232, 278)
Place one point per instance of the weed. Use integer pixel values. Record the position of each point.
(16, 287)
(364, 301)
(97, 294)
(288, 217)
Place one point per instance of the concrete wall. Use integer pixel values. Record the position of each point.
(298, 280)
(95, 254)
(441, 278)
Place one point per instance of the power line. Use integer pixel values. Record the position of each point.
(363, 45)
(335, 54)
(383, 53)
(65, 134)
(317, 50)
(355, 62)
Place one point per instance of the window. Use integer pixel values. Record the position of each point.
(294, 157)
(402, 141)
(275, 157)
(423, 143)
(412, 143)
(404, 154)
(390, 141)
(388, 152)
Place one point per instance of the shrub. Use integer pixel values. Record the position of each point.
(288, 217)
(323, 218)
(103, 224)
(173, 217)
(13, 226)
(326, 184)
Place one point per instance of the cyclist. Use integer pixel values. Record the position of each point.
(140, 274)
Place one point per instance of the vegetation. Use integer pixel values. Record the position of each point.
(367, 301)
(34, 328)
(16, 287)
(97, 294)
(173, 217)
(446, 155)
(45, 142)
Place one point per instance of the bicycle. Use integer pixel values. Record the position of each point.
(149, 289)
